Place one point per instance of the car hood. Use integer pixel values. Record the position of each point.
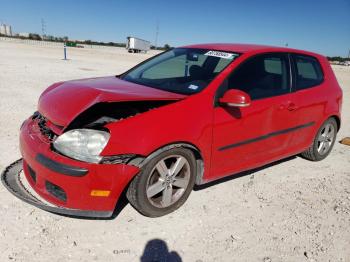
(63, 102)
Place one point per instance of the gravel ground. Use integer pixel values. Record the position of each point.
(294, 210)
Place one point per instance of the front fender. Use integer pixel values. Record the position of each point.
(187, 121)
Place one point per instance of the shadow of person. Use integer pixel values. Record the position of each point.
(156, 250)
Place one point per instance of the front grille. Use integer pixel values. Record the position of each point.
(32, 173)
(56, 191)
(42, 124)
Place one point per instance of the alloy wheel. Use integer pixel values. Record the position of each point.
(168, 181)
(325, 139)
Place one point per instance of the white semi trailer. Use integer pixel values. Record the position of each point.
(137, 45)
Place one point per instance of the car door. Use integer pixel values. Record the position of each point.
(247, 137)
(311, 95)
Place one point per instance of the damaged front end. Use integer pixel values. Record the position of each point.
(69, 159)
(88, 132)
(64, 167)
(13, 179)
(103, 113)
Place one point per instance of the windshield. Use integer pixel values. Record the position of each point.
(181, 70)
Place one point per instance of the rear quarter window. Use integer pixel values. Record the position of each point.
(308, 72)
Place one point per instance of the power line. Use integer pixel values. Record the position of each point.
(43, 27)
(157, 33)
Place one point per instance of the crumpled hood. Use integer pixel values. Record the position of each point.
(63, 102)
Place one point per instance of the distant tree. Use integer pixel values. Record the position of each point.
(120, 44)
(34, 36)
(50, 38)
(166, 47)
(337, 58)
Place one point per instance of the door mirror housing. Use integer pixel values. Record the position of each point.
(235, 98)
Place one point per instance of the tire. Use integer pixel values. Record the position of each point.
(327, 134)
(160, 188)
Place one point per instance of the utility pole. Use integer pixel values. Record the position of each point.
(157, 32)
(43, 27)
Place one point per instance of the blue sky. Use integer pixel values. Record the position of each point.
(316, 25)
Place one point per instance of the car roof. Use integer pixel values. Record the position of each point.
(246, 48)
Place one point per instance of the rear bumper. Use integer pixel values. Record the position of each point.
(12, 181)
(66, 183)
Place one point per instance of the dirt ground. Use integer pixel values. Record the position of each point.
(295, 210)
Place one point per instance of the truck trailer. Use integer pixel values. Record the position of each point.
(137, 45)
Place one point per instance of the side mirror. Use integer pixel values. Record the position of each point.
(235, 98)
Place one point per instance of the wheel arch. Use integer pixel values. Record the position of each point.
(333, 115)
(337, 119)
(195, 150)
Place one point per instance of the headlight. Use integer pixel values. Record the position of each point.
(82, 144)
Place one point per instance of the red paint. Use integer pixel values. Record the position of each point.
(192, 119)
(67, 100)
(106, 177)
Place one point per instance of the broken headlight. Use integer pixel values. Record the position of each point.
(82, 144)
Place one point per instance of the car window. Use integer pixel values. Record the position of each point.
(273, 65)
(262, 76)
(181, 70)
(308, 72)
(221, 65)
(172, 68)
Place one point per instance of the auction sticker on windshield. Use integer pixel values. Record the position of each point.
(193, 87)
(220, 54)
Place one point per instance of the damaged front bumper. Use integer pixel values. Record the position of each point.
(64, 185)
(11, 178)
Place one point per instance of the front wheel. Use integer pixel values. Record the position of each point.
(164, 183)
(323, 142)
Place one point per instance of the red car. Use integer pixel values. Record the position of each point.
(187, 116)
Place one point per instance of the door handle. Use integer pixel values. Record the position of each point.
(291, 106)
(288, 105)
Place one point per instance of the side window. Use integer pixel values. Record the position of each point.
(273, 65)
(308, 72)
(262, 76)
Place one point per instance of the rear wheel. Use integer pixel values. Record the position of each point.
(323, 142)
(164, 183)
